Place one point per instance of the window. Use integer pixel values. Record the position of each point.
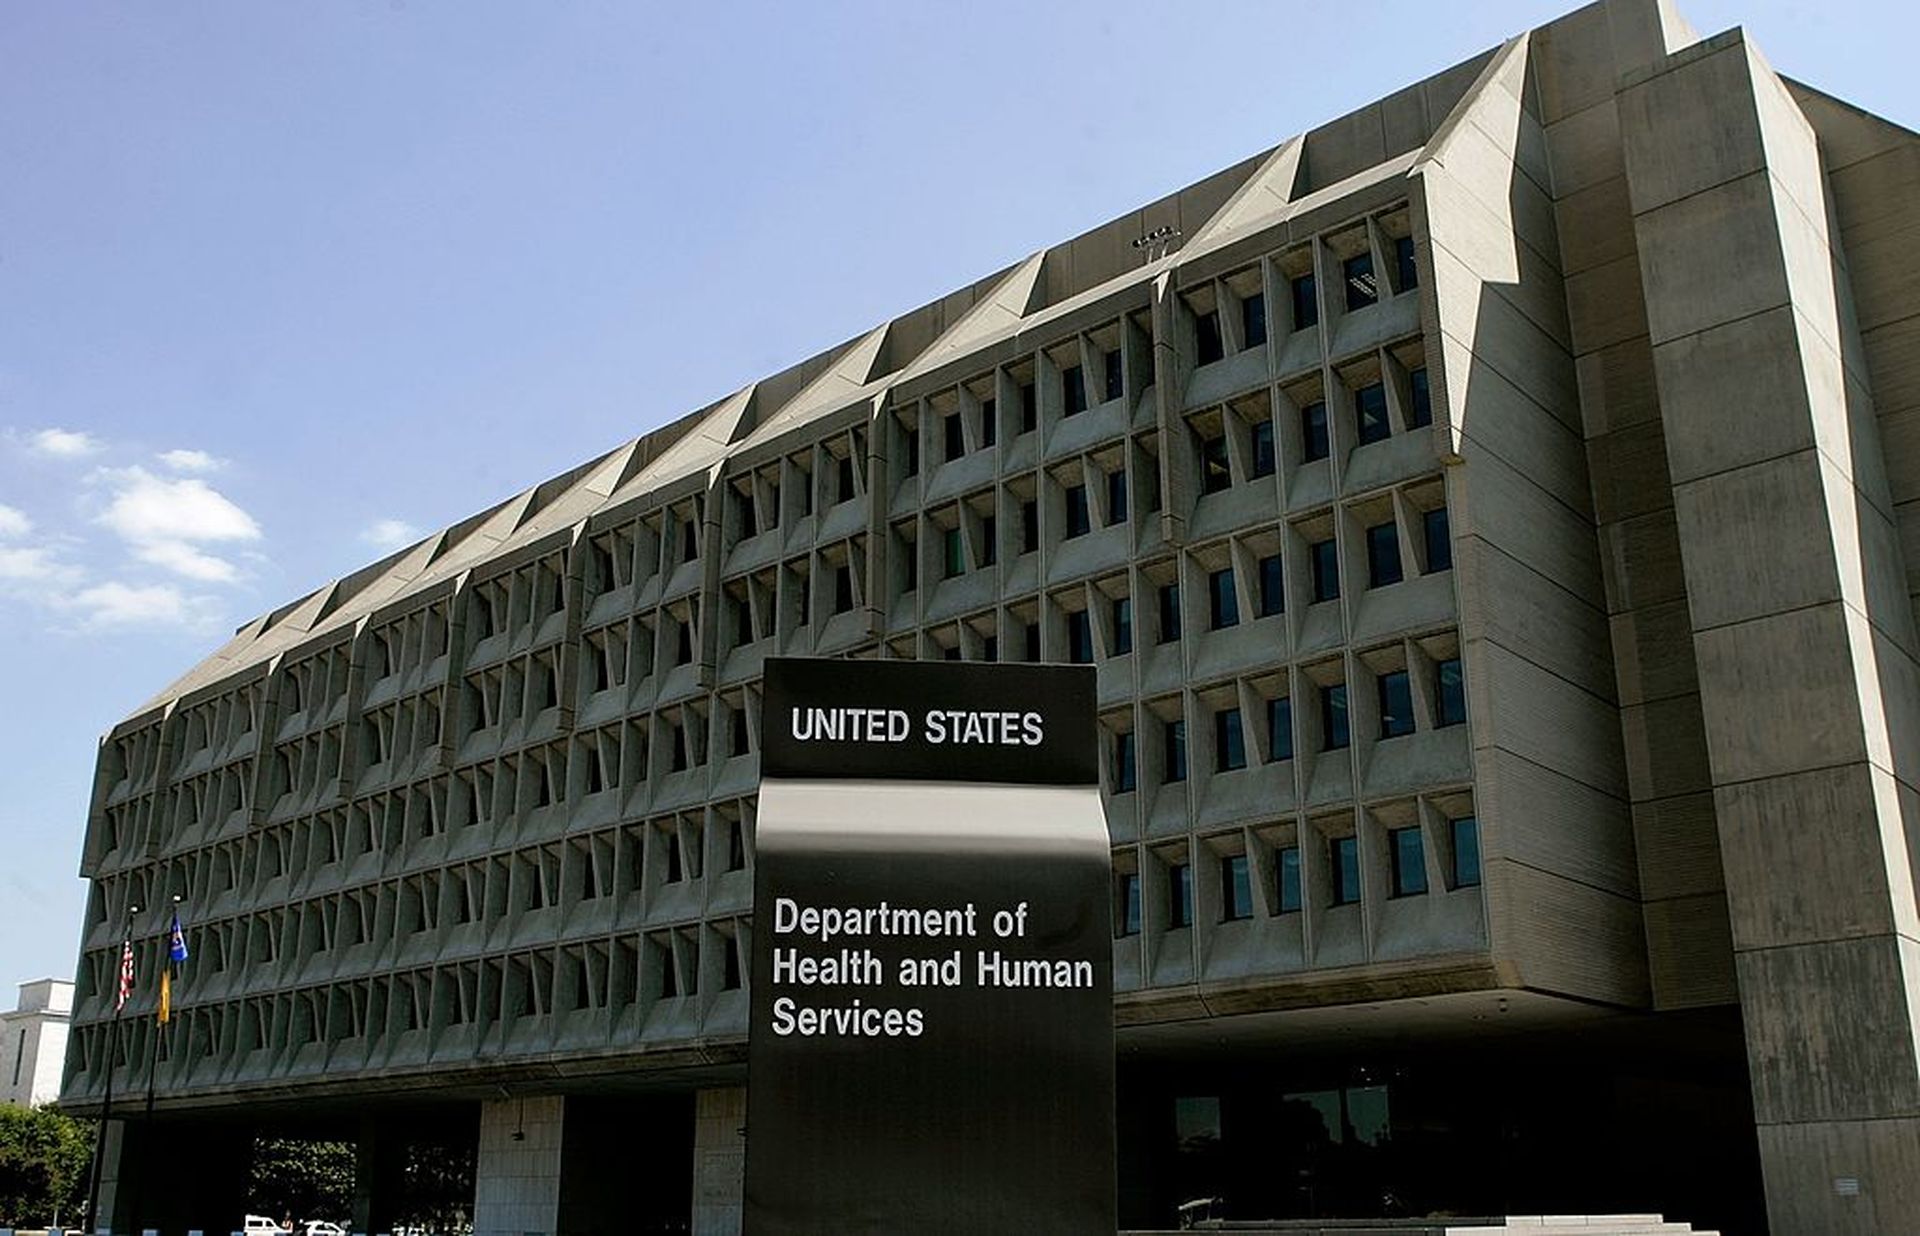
(1253, 319)
(675, 872)
(989, 649)
(738, 732)
(1333, 717)
(1280, 728)
(1452, 692)
(1029, 407)
(1180, 895)
(1383, 555)
(1263, 459)
(1215, 475)
(1357, 274)
(804, 588)
(1029, 526)
(1409, 861)
(956, 435)
(1344, 864)
(1073, 382)
(1128, 911)
(1325, 559)
(1439, 539)
(1286, 879)
(742, 623)
(1115, 373)
(1370, 411)
(1032, 634)
(689, 541)
(844, 474)
(1313, 431)
(1207, 344)
(1306, 302)
(1406, 274)
(910, 566)
(736, 846)
(1117, 497)
(1125, 771)
(1396, 704)
(989, 422)
(1229, 741)
(1079, 513)
(1273, 589)
(730, 965)
(1080, 637)
(1236, 888)
(682, 652)
(1174, 743)
(956, 552)
(842, 589)
(1465, 833)
(1122, 625)
(989, 540)
(1421, 413)
(910, 466)
(1223, 605)
(749, 522)
(1169, 613)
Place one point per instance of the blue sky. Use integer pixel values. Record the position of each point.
(283, 286)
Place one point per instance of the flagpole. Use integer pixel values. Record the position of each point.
(113, 1045)
(153, 1055)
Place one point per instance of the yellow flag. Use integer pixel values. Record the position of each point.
(166, 995)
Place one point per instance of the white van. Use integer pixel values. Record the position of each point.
(260, 1225)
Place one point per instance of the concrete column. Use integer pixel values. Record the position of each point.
(719, 1160)
(516, 1175)
(1801, 627)
(117, 1184)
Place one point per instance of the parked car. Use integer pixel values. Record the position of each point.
(320, 1227)
(260, 1225)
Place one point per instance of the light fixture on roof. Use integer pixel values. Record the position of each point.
(1154, 245)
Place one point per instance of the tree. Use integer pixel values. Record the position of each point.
(43, 1165)
(301, 1179)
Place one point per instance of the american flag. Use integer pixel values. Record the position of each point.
(126, 975)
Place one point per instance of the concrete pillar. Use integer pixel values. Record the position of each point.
(516, 1175)
(380, 1161)
(719, 1160)
(117, 1186)
(1801, 627)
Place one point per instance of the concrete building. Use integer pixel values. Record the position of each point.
(33, 1043)
(1495, 515)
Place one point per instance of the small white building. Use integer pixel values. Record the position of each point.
(33, 1042)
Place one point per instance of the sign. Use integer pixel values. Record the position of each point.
(931, 1037)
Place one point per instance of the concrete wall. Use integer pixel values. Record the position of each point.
(719, 1160)
(517, 1172)
(1801, 624)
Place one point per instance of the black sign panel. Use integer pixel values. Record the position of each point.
(931, 1045)
(930, 720)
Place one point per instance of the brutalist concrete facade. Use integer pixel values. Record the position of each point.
(1495, 515)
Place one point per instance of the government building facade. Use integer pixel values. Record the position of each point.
(1495, 518)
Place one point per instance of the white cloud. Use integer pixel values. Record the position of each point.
(34, 564)
(190, 461)
(390, 533)
(166, 521)
(64, 443)
(13, 521)
(114, 604)
(183, 559)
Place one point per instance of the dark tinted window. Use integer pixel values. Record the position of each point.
(1306, 302)
(1406, 275)
(1029, 526)
(1180, 895)
(1029, 407)
(1236, 887)
(1383, 555)
(1079, 514)
(1280, 728)
(1128, 911)
(1116, 497)
(1286, 873)
(1124, 773)
(1396, 704)
(989, 540)
(1370, 411)
(1357, 274)
(1409, 861)
(1421, 410)
(956, 435)
(842, 589)
(989, 422)
(956, 552)
(1208, 346)
(1313, 431)
(1122, 625)
(1174, 750)
(1273, 591)
(1439, 538)
(1222, 604)
(1451, 692)
(1466, 851)
(1215, 475)
(1169, 596)
(1263, 448)
(1333, 717)
(1080, 637)
(1115, 375)
(1325, 560)
(1229, 741)
(1253, 319)
(1073, 381)
(1344, 853)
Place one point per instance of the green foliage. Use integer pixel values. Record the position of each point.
(438, 1190)
(299, 1179)
(43, 1165)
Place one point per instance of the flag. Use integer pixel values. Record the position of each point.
(126, 975)
(176, 941)
(166, 995)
